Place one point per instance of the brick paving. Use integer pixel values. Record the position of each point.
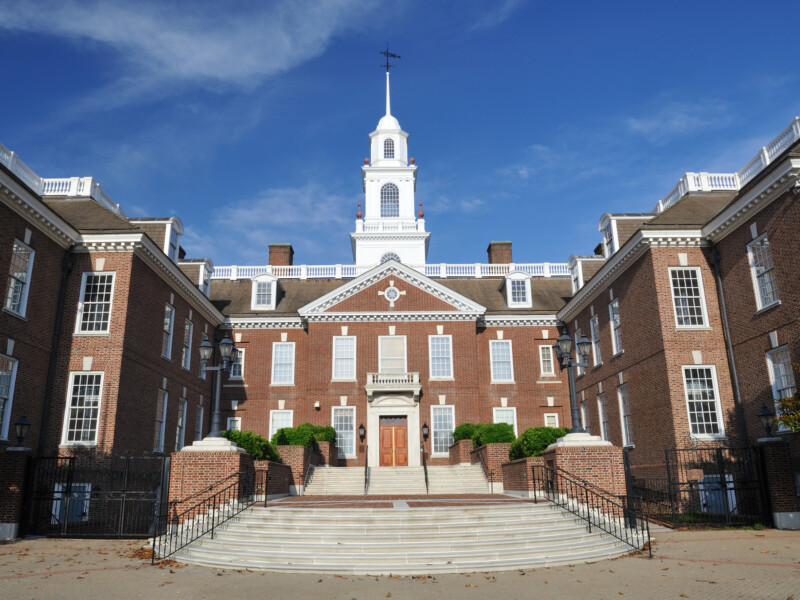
(706, 565)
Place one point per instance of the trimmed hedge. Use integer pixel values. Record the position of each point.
(492, 433)
(465, 431)
(534, 440)
(304, 435)
(253, 443)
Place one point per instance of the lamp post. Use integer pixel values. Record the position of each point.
(227, 356)
(563, 351)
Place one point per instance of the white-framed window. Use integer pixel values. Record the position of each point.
(546, 366)
(198, 424)
(781, 376)
(585, 422)
(579, 370)
(688, 297)
(8, 376)
(761, 269)
(161, 420)
(518, 289)
(173, 243)
(180, 430)
(94, 308)
(502, 361)
(390, 201)
(615, 324)
(343, 419)
(166, 330)
(602, 415)
(608, 239)
(506, 414)
(344, 357)
(264, 293)
(575, 276)
(79, 497)
(551, 419)
(594, 330)
(186, 354)
(234, 424)
(443, 419)
(280, 419)
(283, 363)
(392, 354)
(625, 415)
(702, 401)
(388, 148)
(237, 366)
(19, 278)
(440, 351)
(83, 408)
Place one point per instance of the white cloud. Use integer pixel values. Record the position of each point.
(161, 48)
(497, 15)
(679, 118)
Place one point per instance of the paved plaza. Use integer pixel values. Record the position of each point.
(704, 564)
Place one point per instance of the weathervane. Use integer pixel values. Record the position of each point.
(388, 55)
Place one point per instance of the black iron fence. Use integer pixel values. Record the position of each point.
(95, 496)
(597, 507)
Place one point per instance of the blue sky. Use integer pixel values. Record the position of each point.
(528, 119)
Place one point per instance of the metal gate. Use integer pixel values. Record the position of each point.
(706, 486)
(96, 496)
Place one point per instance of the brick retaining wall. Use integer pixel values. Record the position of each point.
(460, 452)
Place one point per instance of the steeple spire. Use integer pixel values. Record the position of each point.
(388, 102)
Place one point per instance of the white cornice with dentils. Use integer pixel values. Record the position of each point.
(374, 317)
(779, 180)
(461, 303)
(635, 247)
(263, 323)
(145, 248)
(520, 321)
(29, 207)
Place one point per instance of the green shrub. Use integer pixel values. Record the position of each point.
(253, 444)
(534, 440)
(303, 435)
(465, 431)
(492, 433)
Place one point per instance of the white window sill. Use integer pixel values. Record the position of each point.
(709, 437)
(92, 334)
(77, 445)
(693, 328)
(234, 379)
(348, 380)
(549, 381)
(619, 353)
(165, 357)
(13, 313)
(768, 307)
(262, 307)
(520, 305)
(281, 384)
(439, 454)
(597, 365)
(187, 369)
(442, 379)
(236, 384)
(347, 456)
(503, 382)
(629, 446)
(158, 451)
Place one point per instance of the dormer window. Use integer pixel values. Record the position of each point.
(173, 244)
(518, 290)
(609, 247)
(388, 148)
(265, 288)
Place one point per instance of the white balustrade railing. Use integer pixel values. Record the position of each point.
(390, 226)
(438, 270)
(392, 378)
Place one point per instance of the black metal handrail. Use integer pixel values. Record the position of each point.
(487, 472)
(366, 469)
(176, 530)
(594, 507)
(425, 468)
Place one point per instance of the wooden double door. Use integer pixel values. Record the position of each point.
(394, 441)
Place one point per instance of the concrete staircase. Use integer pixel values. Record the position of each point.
(384, 481)
(402, 540)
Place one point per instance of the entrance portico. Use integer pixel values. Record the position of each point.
(393, 407)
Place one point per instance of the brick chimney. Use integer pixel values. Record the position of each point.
(499, 253)
(281, 255)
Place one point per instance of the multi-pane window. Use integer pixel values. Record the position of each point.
(390, 201)
(198, 423)
(83, 408)
(388, 148)
(575, 275)
(234, 424)
(441, 355)
(344, 357)
(761, 268)
(781, 374)
(625, 415)
(161, 420)
(392, 354)
(186, 355)
(344, 422)
(19, 277)
(173, 243)
(279, 419)
(283, 363)
(546, 360)
(443, 419)
(702, 401)
(608, 240)
(263, 293)
(502, 360)
(519, 293)
(579, 370)
(180, 430)
(613, 315)
(166, 333)
(237, 366)
(602, 415)
(594, 329)
(687, 297)
(506, 415)
(8, 371)
(551, 419)
(584, 413)
(94, 311)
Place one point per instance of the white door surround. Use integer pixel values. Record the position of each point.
(396, 404)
